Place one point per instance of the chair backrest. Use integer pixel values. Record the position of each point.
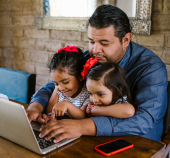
(17, 85)
(166, 121)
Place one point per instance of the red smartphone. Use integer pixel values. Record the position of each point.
(113, 147)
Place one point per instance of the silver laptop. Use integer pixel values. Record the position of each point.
(15, 126)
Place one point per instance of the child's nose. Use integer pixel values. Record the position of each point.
(95, 100)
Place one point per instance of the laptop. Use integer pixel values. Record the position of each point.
(15, 126)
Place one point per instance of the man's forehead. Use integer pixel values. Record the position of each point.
(103, 33)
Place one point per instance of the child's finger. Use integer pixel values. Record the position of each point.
(45, 117)
(89, 105)
(53, 115)
(58, 113)
(62, 113)
(89, 108)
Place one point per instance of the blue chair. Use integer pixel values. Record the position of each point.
(17, 85)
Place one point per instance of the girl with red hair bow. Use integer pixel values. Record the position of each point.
(70, 95)
(109, 91)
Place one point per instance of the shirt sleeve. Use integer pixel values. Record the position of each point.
(43, 95)
(151, 94)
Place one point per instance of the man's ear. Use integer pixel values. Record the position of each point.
(126, 39)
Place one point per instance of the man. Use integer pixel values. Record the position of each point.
(109, 35)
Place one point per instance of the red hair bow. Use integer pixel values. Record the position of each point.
(69, 49)
(89, 63)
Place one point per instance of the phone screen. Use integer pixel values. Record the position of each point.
(113, 146)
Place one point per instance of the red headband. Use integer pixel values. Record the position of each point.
(69, 49)
(89, 63)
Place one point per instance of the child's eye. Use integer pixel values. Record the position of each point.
(55, 83)
(101, 94)
(66, 82)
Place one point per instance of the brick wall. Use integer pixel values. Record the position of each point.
(22, 47)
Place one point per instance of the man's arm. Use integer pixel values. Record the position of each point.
(53, 100)
(43, 95)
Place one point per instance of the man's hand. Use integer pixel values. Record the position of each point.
(68, 128)
(34, 112)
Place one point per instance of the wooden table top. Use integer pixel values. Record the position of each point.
(83, 147)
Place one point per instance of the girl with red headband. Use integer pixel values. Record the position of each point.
(110, 94)
(70, 94)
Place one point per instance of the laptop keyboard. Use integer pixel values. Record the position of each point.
(42, 142)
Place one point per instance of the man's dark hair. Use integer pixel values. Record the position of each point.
(107, 15)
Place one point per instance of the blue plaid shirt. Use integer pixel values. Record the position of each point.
(147, 76)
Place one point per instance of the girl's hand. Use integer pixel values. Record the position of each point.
(88, 110)
(59, 109)
(95, 110)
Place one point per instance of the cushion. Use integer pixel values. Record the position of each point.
(17, 85)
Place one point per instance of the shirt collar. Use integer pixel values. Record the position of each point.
(126, 57)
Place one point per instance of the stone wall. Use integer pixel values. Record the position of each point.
(22, 47)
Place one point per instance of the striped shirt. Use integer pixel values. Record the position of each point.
(122, 101)
(82, 99)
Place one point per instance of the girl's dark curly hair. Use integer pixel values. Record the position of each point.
(73, 61)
